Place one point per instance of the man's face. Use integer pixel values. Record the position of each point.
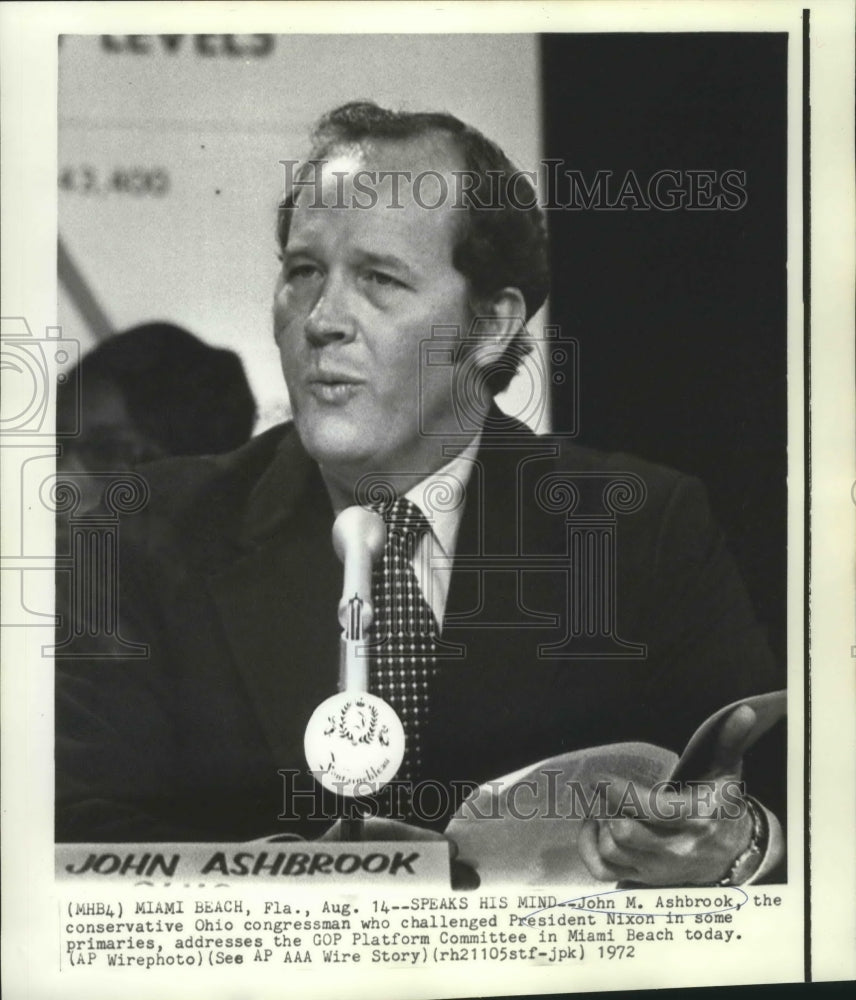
(360, 288)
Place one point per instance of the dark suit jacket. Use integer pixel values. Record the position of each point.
(230, 578)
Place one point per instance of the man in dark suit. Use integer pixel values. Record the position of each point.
(578, 598)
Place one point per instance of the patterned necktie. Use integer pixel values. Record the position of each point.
(404, 661)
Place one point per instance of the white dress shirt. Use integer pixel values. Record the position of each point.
(441, 498)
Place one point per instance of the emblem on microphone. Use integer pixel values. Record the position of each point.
(354, 743)
(357, 722)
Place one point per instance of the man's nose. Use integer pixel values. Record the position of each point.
(331, 318)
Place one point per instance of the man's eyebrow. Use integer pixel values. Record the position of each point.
(387, 260)
(370, 257)
(295, 250)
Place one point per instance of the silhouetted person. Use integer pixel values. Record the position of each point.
(148, 392)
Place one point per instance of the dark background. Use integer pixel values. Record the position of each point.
(681, 316)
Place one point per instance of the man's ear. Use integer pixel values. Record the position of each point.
(498, 322)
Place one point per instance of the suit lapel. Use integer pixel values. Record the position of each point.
(277, 600)
(501, 674)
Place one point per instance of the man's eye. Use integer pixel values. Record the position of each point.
(298, 272)
(384, 280)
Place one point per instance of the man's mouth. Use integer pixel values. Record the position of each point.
(332, 387)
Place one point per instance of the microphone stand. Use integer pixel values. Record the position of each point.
(353, 676)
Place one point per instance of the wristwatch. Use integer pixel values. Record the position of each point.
(749, 861)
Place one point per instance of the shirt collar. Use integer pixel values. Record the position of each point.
(441, 496)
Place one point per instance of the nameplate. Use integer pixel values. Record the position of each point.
(309, 863)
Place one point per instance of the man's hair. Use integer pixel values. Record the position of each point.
(502, 240)
(182, 396)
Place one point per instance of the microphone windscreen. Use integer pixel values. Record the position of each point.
(357, 529)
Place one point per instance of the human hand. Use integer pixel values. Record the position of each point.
(669, 834)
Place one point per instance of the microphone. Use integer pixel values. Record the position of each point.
(354, 740)
(359, 536)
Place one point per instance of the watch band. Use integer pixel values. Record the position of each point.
(749, 861)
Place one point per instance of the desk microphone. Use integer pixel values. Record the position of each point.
(354, 740)
(359, 536)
